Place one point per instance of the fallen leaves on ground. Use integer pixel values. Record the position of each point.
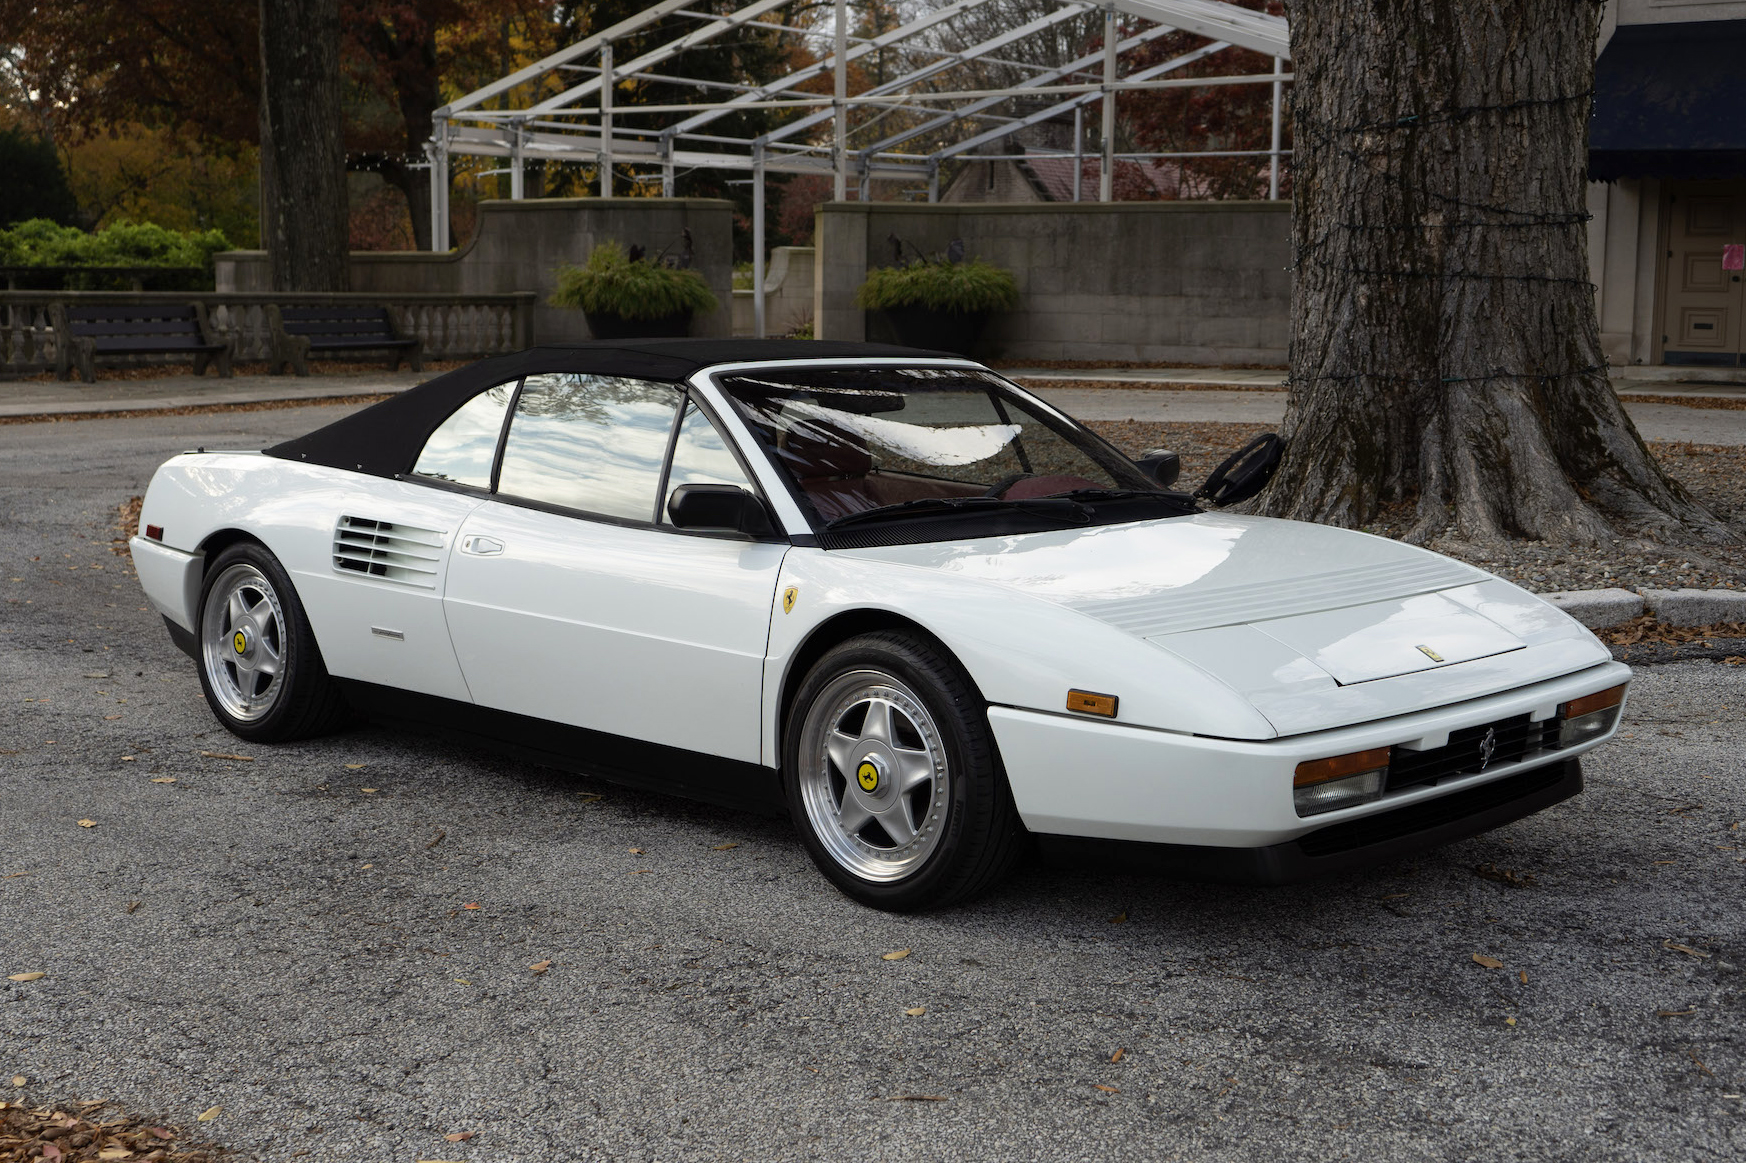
(209, 1114)
(1675, 1013)
(540, 966)
(470, 905)
(1507, 876)
(87, 823)
(916, 1011)
(228, 755)
(1644, 628)
(1686, 949)
(34, 976)
(55, 1134)
(725, 847)
(354, 767)
(1488, 962)
(894, 955)
(1117, 1056)
(1107, 1089)
(162, 778)
(638, 852)
(459, 1136)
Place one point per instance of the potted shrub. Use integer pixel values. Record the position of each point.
(626, 296)
(938, 303)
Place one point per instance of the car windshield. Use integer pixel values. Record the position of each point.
(866, 445)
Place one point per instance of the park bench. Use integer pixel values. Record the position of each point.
(303, 333)
(83, 333)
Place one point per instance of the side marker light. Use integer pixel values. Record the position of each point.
(1087, 703)
(154, 532)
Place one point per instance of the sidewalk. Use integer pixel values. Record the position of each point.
(1229, 395)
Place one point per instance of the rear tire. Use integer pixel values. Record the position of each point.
(259, 665)
(893, 777)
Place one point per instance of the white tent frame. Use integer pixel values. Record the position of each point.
(581, 122)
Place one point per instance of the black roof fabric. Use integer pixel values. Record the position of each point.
(1670, 102)
(385, 439)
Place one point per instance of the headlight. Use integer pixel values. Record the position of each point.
(1344, 781)
(1589, 717)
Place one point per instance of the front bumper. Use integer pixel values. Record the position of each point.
(1071, 776)
(1377, 839)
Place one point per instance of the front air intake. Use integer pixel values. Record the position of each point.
(392, 552)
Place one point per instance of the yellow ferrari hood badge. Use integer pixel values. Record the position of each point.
(788, 596)
(1430, 654)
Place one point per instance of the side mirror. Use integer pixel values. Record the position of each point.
(1161, 465)
(718, 508)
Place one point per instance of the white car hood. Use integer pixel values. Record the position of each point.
(1304, 621)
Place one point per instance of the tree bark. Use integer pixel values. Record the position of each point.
(1445, 349)
(304, 210)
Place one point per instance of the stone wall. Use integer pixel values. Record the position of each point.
(787, 294)
(520, 245)
(1194, 282)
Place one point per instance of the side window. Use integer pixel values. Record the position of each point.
(462, 448)
(593, 443)
(701, 457)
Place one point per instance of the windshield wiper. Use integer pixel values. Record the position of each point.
(1063, 506)
(1176, 500)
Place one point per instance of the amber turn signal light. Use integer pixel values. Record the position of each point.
(1313, 771)
(1088, 703)
(1599, 701)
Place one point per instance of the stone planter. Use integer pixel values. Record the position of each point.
(954, 331)
(617, 327)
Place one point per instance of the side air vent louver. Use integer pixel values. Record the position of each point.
(383, 549)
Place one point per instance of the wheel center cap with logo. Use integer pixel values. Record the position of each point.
(870, 774)
(240, 640)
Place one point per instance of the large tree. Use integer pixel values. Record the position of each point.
(1445, 350)
(303, 158)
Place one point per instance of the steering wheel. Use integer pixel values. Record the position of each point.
(1006, 482)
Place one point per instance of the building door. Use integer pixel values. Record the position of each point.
(1703, 298)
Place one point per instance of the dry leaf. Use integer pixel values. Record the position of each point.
(354, 767)
(128, 758)
(638, 852)
(1675, 1013)
(106, 718)
(209, 1114)
(50, 1151)
(1117, 1056)
(917, 1012)
(131, 907)
(470, 905)
(228, 755)
(1523, 976)
(87, 823)
(725, 847)
(462, 981)
(1509, 1021)
(1488, 962)
(115, 1153)
(1108, 1089)
(369, 791)
(11, 875)
(27, 976)
(460, 1136)
(19, 1080)
(161, 1133)
(894, 955)
(164, 779)
(1120, 918)
(1686, 949)
(540, 966)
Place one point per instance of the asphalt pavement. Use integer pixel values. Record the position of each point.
(333, 942)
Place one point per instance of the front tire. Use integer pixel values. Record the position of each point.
(893, 777)
(260, 668)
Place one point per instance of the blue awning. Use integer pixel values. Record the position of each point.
(1670, 102)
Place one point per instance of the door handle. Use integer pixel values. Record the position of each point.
(481, 546)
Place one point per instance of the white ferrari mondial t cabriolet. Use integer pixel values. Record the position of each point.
(928, 615)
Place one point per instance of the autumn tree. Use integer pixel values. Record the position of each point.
(303, 172)
(1445, 352)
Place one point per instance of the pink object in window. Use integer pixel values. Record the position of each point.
(1734, 256)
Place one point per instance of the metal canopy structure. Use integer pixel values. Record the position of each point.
(583, 123)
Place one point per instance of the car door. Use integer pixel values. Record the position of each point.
(571, 597)
(376, 596)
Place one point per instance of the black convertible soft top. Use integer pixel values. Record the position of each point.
(385, 439)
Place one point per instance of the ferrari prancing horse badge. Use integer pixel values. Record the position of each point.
(788, 596)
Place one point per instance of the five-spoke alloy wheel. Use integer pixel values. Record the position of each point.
(259, 665)
(893, 777)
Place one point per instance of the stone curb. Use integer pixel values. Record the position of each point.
(1598, 609)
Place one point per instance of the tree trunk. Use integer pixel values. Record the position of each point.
(1445, 349)
(304, 211)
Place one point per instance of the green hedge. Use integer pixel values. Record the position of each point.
(964, 287)
(40, 243)
(612, 284)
